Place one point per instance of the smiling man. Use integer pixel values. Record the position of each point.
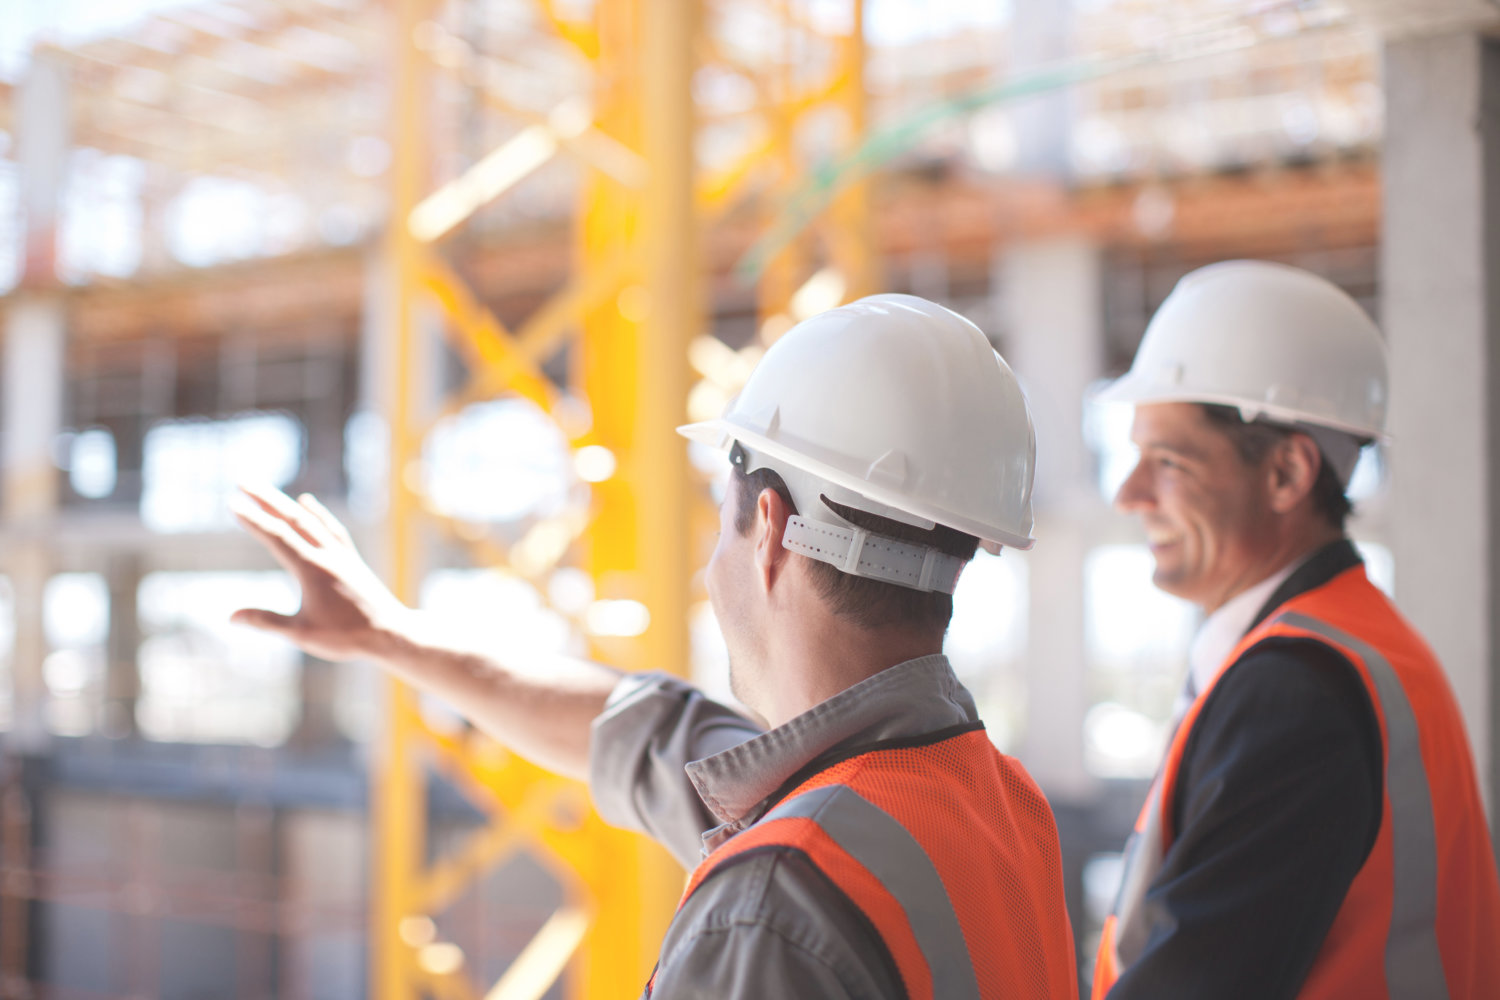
(1315, 829)
(868, 840)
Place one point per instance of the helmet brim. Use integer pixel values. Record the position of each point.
(1135, 389)
(720, 434)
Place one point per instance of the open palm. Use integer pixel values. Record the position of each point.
(346, 609)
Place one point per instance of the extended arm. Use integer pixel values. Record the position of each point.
(542, 709)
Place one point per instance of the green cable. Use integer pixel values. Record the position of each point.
(828, 178)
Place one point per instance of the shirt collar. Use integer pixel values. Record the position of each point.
(1223, 630)
(910, 699)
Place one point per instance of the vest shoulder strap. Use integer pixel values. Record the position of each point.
(875, 861)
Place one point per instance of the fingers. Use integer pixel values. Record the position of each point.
(289, 546)
(266, 621)
(333, 525)
(282, 507)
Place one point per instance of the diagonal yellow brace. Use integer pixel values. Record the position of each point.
(715, 192)
(802, 104)
(485, 339)
(446, 880)
(548, 326)
(564, 310)
(445, 984)
(585, 39)
(445, 209)
(544, 957)
(592, 146)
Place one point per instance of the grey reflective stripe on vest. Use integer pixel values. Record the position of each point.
(876, 840)
(1413, 964)
(1143, 857)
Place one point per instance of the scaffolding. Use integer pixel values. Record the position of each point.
(630, 156)
(627, 318)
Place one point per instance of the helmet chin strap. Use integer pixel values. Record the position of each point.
(1340, 449)
(817, 532)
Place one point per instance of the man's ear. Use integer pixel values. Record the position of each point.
(1294, 466)
(771, 513)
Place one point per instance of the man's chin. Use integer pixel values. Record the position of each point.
(1169, 582)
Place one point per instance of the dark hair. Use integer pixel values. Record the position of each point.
(858, 599)
(1254, 441)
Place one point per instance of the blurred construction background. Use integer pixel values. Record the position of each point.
(458, 267)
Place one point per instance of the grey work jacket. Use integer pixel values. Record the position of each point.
(691, 773)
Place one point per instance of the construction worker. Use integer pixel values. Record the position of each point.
(868, 840)
(1316, 828)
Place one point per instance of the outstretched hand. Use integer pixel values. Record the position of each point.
(346, 610)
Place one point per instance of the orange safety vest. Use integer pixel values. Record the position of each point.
(1422, 917)
(950, 851)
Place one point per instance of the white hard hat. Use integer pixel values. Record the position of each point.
(1276, 342)
(895, 406)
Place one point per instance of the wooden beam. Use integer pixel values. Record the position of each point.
(319, 294)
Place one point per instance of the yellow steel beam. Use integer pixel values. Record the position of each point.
(590, 146)
(545, 956)
(440, 972)
(446, 208)
(633, 371)
(485, 338)
(636, 299)
(581, 36)
(603, 279)
(785, 271)
(398, 800)
(541, 334)
(853, 233)
(480, 853)
(716, 192)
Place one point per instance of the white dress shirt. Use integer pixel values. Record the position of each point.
(1220, 633)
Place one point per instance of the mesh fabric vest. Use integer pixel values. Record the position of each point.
(950, 852)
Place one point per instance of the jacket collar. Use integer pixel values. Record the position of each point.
(1316, 570)
(908, 700)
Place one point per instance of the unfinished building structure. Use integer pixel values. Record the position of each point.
(459, 268)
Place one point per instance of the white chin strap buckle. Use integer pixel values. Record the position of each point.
(860, 553)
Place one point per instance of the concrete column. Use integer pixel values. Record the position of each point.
(35, 336)
(317, 690)
(122, 679)
(323, 418)
(1051, 304)
(157, 192)
(367, 484)
(1440, 305)
(1041, 38)
(29, 567)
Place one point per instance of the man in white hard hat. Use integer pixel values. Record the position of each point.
(1315, 829)
(868, 840)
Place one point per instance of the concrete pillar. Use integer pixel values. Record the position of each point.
(323, 418)
(1440, 305)
(35, 336)
(317, 689)
(1040, 39)
(1051, 303)
(122, 679)
(157, 192)
(366, 483)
